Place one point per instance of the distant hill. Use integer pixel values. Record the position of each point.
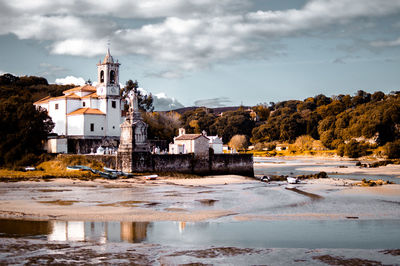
(216, 110)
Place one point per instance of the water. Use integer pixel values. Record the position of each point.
(360, 234)
(293, 167)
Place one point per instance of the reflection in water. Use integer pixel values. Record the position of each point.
(20, 228)
(101, 232)
(98, 231)
(267, 234)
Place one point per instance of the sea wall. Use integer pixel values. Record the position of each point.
(214, 164)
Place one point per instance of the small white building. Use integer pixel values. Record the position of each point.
(189, 143)
(87, 112)
(215, 143)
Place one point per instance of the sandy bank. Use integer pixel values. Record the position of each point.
(383, 170)
(211, 180)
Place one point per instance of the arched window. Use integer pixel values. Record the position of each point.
(101, 76)
(112, 76)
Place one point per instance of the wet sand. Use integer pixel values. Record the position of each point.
(382, 170)
(188, 199)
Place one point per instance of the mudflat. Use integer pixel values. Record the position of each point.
(196, 199)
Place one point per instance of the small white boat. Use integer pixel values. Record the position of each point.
(292, 180)
(151, 177)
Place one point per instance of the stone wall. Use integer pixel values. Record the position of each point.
(215, 164)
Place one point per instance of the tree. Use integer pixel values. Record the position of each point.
(238, 142)
(262, 111)
(197, 120)
(304, 143)
(392, 149)
(145, 101)
(233, 123)
(162, 126)
(23, 128)
(354, 149)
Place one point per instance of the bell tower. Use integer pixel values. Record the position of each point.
(108, 76)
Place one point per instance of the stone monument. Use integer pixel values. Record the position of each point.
(133, 147)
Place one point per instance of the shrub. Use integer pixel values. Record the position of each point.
(392, 149)
(354, 149)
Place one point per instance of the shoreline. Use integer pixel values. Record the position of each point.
(159, 200)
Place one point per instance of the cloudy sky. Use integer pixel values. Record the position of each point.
(208, 52)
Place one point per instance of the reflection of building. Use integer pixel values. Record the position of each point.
(133, 232)
(63, 231)
(182, 226)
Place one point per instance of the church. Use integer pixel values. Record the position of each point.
(87, 117)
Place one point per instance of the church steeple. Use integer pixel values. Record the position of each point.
(108, 76)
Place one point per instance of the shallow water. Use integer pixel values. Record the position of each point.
(285, 166)
(361, 234)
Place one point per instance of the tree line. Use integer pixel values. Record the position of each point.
(352, 125)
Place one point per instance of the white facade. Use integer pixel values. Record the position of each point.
(190, 143)
(216, 144)
(88, 111)
(57, 145)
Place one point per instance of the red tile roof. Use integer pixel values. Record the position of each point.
(86, 87)
(189, 136)
(87, 111)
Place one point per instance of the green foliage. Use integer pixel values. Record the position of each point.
(233, 123)
(392, 149)
(162, 126)
(196, 121)
(355, 149)
(262, 112)
(22, 130)
(145, 101)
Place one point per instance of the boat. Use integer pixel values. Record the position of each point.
(292, 180)
(151, 177)
(78, 168)
(265, 178)
(73, 168)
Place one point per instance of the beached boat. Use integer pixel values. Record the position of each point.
(292, 180)
(151, 177)
(265, 178)
(74, 168)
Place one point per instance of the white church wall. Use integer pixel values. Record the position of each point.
(113, 118)
(57, 111)
(86, 103)
(75, 125)
(98, 122)
(73, 104)
(94, 103)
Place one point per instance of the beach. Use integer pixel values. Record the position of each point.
(209, 220)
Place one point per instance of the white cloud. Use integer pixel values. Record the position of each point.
(162, 102)
(70, 80)
(214, 102)
(386, 43)
(187, 35)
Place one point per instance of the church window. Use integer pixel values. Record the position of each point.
(114, 104)
(112, 76)
(113, 127)
(91, 127)
(101, 76)
(83, 104)
(56, 106)
(102, 128)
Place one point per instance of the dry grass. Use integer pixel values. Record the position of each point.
(53, 169)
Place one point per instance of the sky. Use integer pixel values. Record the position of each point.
(206, 52)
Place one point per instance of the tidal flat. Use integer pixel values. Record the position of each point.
(213, 220)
